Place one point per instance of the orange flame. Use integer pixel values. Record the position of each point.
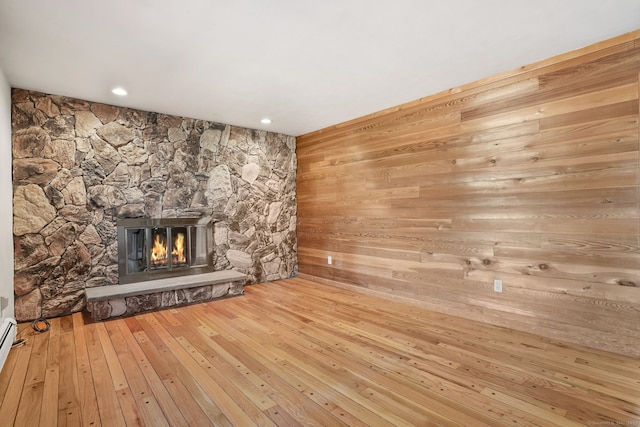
(178, 248)
(159, 251)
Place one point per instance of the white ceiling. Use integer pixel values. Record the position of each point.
(306, 64)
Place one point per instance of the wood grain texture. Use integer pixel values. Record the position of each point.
(303, 353)
(531, 177)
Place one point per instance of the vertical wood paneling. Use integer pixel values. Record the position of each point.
(531, 177)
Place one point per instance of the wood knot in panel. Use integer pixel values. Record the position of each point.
(629, 283)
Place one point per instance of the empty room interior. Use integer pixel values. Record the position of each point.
(298, 213)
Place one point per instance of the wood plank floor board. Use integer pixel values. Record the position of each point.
(380, 362)
(182, 361)
(301, 353)
(12, 395)
(178, 345)
(296, 376)
(49, 411)
(274, 386)
(104, 383)
(89, 411)
(152, 367)
(161, 369)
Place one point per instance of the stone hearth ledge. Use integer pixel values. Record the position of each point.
(104, 302)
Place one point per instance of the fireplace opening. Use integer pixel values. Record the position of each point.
(155, 248)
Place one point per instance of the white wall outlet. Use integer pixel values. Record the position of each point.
(497, 285)
(329, 260)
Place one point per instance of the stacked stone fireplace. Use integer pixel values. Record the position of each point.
(79, 167)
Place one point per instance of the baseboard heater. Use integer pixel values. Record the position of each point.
(7, 337)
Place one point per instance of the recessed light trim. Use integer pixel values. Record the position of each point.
(265, 121)
(119, 91)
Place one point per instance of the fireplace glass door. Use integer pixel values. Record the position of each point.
(136, 255)
(147, 250)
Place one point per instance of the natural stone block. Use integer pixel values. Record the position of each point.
(30, 142)
(132, 211)
(153, 133)
(61, 239)
(141, 303)
(221, 290)
(65, 302)
(107, 231)
(62, 179)
(60, 127)
(97, 252)
(238, 240)
(169, 299)
(133, 195)
(190, 295)
(165, 152)
(100, 310)
(106, 113)
(75, 192)
(177, 197)
(210, 140)
(62, 151)
(93, 172)
(31, 210)
(27, 279)
(274, 212)
(272, 268)
(34, 171)
(135, 119)
(134, 154)
(219, 186)
(86, 123)
(118, 307)
(29, 250)
(47, 106)
(69, 105)
(250, 172)
(236, 288)
(176, 135)
(76, 262)
(95, 281)
(77, 214)
(119, 177)
(90, 236)
(28, 307)
(116, 134)
(107, 156)
(168, 121)
(105, 196)
(239, 258)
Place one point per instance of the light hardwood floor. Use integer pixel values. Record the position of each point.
(301, 353)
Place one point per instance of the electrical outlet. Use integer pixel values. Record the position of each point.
(497, 285)
(329, 260)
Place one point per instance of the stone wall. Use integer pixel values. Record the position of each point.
(78, 166)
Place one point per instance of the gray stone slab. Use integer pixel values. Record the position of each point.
(100, 293)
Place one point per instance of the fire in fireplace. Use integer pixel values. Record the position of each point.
(161, 248)
(155, 248)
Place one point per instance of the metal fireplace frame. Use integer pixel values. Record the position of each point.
(148, 224)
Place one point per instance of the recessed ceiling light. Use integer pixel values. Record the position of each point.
(119, 91)
(265, 121)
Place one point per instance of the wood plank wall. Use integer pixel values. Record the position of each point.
(530, 177)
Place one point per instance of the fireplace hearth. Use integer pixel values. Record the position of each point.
(154, 248)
